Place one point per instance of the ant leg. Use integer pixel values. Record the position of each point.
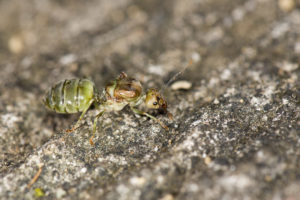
(76, 126)
(137, 111)
(95, 126)
(170, 116)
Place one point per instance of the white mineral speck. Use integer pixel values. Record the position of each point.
(285, 101)
(238, 14)
(60, 193)
(288, 67)
(67, 59)
(214, 35)
(255, 101)
(226, 74)
(160, 179)
(297, 48)
(188, 144)
(195, 123)
(10, 119)
(83, 170)
(265, 118)
(193, 187)
(280, 30)
(216, 101)
(213, 81)
(137, 181)
(196, 57)
(122, 189)
(269, 91)
(156, 69)
(234, 182)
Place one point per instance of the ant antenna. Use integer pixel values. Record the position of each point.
(176, 75)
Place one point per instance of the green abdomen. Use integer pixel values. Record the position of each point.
(70, 96)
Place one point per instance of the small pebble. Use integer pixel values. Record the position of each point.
(181, 85)
(207, 160)
(15, 44)
(286, 5)
(167, 197)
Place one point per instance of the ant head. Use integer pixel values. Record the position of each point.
(155, 100)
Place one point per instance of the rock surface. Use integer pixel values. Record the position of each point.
(235, 133)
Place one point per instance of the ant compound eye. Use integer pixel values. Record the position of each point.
(154, 103)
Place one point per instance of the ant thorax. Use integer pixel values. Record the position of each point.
(121, 92)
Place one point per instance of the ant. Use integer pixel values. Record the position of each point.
(77, 95)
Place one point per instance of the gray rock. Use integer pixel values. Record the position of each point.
(235, 133)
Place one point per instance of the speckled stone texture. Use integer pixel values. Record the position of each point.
(235, 133)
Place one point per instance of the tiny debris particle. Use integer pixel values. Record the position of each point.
(36, 176)
(181, 85)
(38, 192)
(286, 5)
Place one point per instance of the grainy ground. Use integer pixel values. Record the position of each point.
(235, 133)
